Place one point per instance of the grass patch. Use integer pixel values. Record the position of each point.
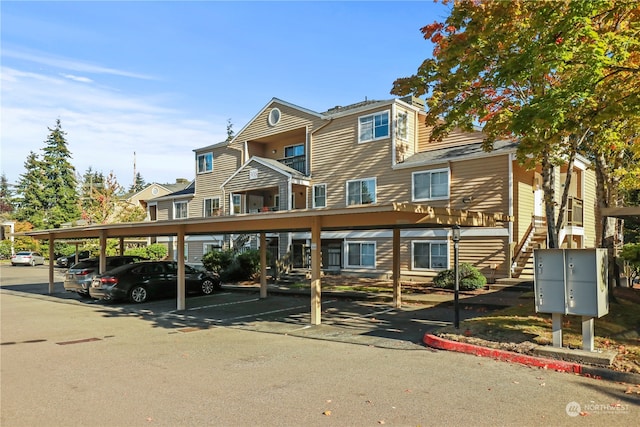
(618, 330)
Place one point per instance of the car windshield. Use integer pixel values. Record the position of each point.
(88, 263)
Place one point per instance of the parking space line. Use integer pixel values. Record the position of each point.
(219, 305)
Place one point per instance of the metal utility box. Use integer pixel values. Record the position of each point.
(587, 293)
(549, 280)
(571, 281)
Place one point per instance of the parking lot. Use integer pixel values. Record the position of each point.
(344, 319)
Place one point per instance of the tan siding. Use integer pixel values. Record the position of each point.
(485, 252)
(590, 209)
(337, 157)
(523, 201)
(290, 119)
(485, 180)
(225, 162)
(454, 139)
(165, 210)
(267, 177)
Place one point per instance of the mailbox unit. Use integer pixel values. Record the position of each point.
(571, 281)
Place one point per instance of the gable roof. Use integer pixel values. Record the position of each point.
(271, 164)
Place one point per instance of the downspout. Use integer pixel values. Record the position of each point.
(510, 243)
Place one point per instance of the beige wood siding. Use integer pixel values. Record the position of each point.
(337, 157)
(590, 208)
(290, 119)
(485, 180)
(267, 177)
(226, 161)
(523, 200)
(165, 210)
(454, 139)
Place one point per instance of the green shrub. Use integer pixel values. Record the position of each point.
(217, 261)
(469, 278)
(244, 266)
(155, 251)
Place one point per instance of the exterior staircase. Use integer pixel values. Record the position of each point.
(534, 238)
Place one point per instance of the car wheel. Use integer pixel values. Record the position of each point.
(83, 295)
(138, 294)
(207, 287)
(33, 263)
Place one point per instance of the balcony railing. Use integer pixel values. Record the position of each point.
(298, 163)
(574, 214)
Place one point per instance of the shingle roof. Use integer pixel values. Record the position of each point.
(450, 153)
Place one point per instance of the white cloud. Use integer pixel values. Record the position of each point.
(77, 78)
(104, 127)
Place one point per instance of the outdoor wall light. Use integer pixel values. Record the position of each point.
(467, 199)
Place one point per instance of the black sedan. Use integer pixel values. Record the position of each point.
(141, 281)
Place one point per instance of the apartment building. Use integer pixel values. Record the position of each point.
(374, 152)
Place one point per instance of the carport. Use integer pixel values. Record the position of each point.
(393, 216)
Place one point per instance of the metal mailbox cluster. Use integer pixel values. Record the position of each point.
(571, 281)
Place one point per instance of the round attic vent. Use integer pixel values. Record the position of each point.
(154, 191)
(274, 117)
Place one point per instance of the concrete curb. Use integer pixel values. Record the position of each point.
(540, 362)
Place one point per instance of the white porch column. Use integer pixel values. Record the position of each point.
(263, 265)
(181, 303)
(316, 258)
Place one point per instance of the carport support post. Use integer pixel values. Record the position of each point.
(397, 290)
(181, 304)
(315, 271)
(51, 261)
(121, 246)
(103, 252)
(263, 265)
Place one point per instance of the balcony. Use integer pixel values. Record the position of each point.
(297, 162)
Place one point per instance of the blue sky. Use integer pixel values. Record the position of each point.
(162, 78)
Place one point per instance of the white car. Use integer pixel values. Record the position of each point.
(27, 258)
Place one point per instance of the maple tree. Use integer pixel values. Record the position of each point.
(562, 78)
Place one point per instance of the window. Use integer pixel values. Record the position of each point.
(211, 207)
(237, 203)
(320, 196)
(179, 210)
(294, 157)
(361, 192)
(430, 255)
(431, 185)
(373, 127)
(205, 162)
(402, 125)
(361, 254)
(274, 117)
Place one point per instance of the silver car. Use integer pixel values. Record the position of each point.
(79, 276)
(27, 258)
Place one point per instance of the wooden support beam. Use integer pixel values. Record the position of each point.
(397, 289)
(316, 258)
(263, 265)
(181, 300)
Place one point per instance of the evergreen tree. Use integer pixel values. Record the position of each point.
(61, 198)
(138, 185)
(30, 192)
(90, 183)
(6, 202)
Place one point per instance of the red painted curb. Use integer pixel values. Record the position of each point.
(507, 356)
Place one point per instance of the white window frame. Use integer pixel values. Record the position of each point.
(361, 243)
(293, 146)
(204, 206)
(370, 121)
(429, 243)
(233, 204)
(207, 168)
(375, 191)
(431, 173)
(323, 186)
(175, 209)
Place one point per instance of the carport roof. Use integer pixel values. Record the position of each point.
(387, 216)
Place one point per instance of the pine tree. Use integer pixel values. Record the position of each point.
(91, 183)
(61, 197)
(6, 202)
(138, 185)
(30, 193)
